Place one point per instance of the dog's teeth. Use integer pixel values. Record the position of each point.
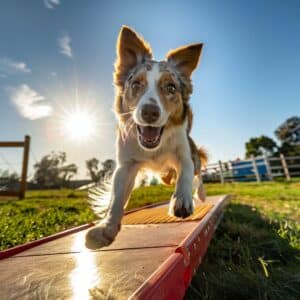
(149, 136)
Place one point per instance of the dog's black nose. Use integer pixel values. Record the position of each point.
(150, 113)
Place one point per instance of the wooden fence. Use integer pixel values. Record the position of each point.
(22, 184)
(253, 169)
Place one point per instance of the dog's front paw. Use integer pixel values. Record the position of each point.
(181, 205)
(101, 235)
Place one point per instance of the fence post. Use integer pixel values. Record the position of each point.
(255, 168)
(24, 167)
(268, 167)
(285, 167)
(221, 172)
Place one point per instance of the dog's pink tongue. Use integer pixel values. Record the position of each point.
(149, 132)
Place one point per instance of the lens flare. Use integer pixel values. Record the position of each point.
(79, 125)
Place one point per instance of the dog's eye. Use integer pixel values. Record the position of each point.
(136, 85)
(171, 88)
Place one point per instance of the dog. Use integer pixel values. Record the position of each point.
(154, 123)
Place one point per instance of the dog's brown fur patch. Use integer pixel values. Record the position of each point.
(131, 50)
(172, 103)
(135, 88)
(199, 157)
(186, 58)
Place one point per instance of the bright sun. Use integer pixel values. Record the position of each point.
(79, 125)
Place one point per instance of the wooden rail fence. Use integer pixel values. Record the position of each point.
(253, 169)
(22, 187)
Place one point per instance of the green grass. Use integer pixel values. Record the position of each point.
(255, 252)
(43, 213)
(40, 214)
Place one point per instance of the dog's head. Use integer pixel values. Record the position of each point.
(152, 95)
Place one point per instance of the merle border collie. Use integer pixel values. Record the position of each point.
(154, 124)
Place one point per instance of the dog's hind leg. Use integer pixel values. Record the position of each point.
(199, 157)
(105, 232)
(199, 188)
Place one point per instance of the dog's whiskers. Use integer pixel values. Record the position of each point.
(126, 128)
(131, 126)
(126, 113)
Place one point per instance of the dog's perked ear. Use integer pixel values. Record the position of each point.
(186, 58)
(131, 50)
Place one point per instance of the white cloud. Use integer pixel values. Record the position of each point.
(65, 45)
(51, 3)
(9, 66)
(28, 102)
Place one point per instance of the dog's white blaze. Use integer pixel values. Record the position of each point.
(153, 76)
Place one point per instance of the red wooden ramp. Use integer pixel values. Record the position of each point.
(147, 261)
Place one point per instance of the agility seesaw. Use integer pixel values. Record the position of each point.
(154, 257)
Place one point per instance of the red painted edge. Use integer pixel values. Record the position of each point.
(165, 283)
(195, 245)
(15, 250)
(171, 280)
(209, 218)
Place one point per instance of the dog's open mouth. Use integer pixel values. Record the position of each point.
(149, 136)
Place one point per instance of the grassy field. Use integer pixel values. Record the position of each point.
(255, 253)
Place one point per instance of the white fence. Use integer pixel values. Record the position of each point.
(253, 169)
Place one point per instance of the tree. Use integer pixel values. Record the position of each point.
(97, 174)
(290, 150)
(258, 146)
(8, 175)
(108, 167)
(289, 131)
(93, 169)
(53, 172)
(8, 180)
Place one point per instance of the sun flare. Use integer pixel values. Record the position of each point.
(79, 124)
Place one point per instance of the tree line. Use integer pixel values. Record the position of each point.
(288, 136)
(53, 171)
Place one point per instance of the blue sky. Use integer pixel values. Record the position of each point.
(61, 54)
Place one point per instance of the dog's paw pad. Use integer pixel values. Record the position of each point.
(181, 206)
(183, 212)
(101, 235)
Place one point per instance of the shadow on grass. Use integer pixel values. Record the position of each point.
(249, 258)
